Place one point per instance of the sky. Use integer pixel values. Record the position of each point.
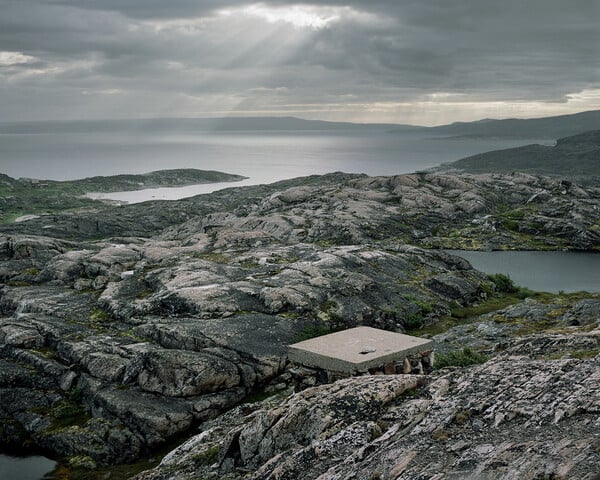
(424, 62)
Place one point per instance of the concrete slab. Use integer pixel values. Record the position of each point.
(356, 349)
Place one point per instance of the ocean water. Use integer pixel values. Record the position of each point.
(263, 156)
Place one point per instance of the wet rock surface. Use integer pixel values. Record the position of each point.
(113, 346)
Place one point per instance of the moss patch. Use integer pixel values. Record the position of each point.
(208, 456)
(100, 315)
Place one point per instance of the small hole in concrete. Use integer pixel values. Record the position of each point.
(367, 349)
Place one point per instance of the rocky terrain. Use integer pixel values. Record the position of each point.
(531, 411)
(483, 211)
(510, 418)
(124, 328)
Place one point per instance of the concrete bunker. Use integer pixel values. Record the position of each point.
(362, 350)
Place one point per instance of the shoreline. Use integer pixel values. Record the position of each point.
(128, 197)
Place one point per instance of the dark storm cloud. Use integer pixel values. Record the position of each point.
(115, 57)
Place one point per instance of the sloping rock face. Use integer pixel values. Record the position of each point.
(111, 349)
(511, 418)
(575, 156)
(539, 329)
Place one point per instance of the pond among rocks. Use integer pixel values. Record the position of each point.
(25, 468)
(541, 271)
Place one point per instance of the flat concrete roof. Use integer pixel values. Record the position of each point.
(356, 349)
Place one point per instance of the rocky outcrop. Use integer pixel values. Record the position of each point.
(112, 347)
(438, 210)
(562, 326)
(463, 424)
(149, 338)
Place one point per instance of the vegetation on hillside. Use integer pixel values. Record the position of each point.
(20, 197)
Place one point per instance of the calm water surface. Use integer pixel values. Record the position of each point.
(541, 271)
(265, 157)
(25, 468)
(268, 156)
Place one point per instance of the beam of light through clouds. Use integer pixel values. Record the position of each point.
(416, 61)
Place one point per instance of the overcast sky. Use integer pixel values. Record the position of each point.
(405, 61)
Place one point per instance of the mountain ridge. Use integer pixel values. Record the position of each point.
(545, 127)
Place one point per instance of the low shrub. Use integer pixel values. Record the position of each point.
(459, 358)
(503, 283)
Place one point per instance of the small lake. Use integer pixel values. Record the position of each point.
(25, 468)
(541, 271)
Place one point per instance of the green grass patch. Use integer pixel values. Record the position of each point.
(208, 456)
(489, 305)
(459, 358)
(143, 294)
(69, 412)
(32, 271)
(463, 315)
(325, 243)
(249, 264)
(281, 259)
(100, 315)
(312, 331)
(45, 352)
(585, 354)
(18, 283)
(531, 327)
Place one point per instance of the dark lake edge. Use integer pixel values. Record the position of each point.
(544, 271)
(25, 467)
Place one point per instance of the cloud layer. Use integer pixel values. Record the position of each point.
(426, 61)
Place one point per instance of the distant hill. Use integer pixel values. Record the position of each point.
(194, 125)
(547, 127)
(576, 156)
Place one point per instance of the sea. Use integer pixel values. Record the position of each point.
(262, 156)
